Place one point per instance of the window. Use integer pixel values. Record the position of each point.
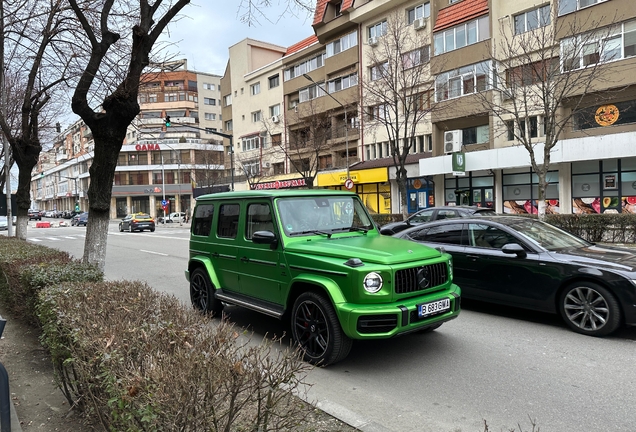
(304, 67)
(476, 135)
(532, 73)
(209, 101)
(342, 83)
(274, 110)
(447, 234)
(377, 112)
(228, 220)
(462, 35)
(416, 57)
(421, 11)
(533, 126)
(344, 43)
(460, 82)
(567, 6)
(255, 89)
(485, 236)
(152, 98)
(256, 116)
(228, 125)
(208, 86)
(259, 218)
(210, 116)
(311, 92)
(202, 220)
(510, 130)
(273, 81)
(592, 117)
(377, 30)
(378, 71)
(532, 19)
(210, 131)
(251, 143)
(601, 46)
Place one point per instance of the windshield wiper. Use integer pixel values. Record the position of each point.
(313, 232)
(353, 229)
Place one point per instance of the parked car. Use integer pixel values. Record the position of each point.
(316, 258)
(4, 225)
(172, 217)
(80, 219)
(526, 263)
(34, 215)
(137, 222)
(435, 213)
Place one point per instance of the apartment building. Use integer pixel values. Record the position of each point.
(158, 162)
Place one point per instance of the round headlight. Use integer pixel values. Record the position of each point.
(372, 282)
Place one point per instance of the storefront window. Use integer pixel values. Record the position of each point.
(608, 186)
(520, 192)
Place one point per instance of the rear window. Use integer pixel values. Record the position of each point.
(142, 216)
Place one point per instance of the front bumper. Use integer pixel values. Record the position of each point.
(390, 320)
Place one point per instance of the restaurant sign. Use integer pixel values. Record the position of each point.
(280, 184)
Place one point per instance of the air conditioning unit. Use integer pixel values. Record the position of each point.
(266, 164)
(373, 41)
(419, 23)
(275, 119)
(452, 141)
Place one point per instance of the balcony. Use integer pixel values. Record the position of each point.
(61, 157)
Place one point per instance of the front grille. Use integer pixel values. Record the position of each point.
(420, 278)
(377, 323)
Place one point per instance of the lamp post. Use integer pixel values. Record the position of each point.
(345, 120)
(163, 190)
(178, 159)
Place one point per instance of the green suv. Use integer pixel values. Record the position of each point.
(316, 258)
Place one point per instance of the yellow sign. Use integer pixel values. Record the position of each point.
(374, 175)
(606, 115)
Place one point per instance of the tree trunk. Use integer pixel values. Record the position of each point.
(25, 154)
(401, 179)
(541, 198)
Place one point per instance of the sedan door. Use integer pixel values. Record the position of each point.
(515, 279)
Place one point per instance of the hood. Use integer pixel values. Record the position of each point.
(377, 249)
(600, 256)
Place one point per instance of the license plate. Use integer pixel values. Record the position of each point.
(433, 308)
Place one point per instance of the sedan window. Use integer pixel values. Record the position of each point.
(446, 214)
(490, 237)
(446, 234)
(422, 217)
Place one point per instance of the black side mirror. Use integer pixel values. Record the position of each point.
(514, 249)
(265, 237)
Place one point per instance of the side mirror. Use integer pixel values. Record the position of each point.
(514, 249)
(265, 237)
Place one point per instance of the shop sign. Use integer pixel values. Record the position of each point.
(459, 164)
(606, 115)
(146, 147)
(280, 184)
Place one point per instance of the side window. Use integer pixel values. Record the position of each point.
(202, 222)
(447, 234)
(259, 218)
(422, 217)
(486, 236)
(228, 220)
(446, 214)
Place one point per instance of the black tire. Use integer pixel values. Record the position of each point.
(152, 230)
(316, 330)
(121, 228)
(590, 309)
(130, 228)
(202, 293)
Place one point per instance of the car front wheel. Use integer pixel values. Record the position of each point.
(130, 228)
(202, 293)
(317, 331)
(121, 228)
(590, 309)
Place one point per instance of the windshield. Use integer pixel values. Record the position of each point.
(548, 236)
(323, 215)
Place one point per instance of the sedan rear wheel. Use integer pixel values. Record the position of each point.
(121, 228)
(317, 331)
(202, 293)
(590, 309)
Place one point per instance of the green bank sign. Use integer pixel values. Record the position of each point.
(459, 164)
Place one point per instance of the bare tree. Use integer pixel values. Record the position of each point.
(35, 60)
(252, 12)
(398, 93)
(103, 23)
(207, 165)
(552, 73)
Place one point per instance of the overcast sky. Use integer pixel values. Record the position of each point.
(209, 28)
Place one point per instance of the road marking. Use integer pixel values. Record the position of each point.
(69, 237)
(35, 240)
(52, 238)
(154, 253)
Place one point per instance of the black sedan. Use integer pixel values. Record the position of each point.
(137, 222)
(522, 262)
(435, 213)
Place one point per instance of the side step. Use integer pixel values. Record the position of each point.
(265, 307)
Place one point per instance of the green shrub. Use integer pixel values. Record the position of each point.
(141, 361)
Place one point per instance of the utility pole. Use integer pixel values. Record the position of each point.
(5, 143)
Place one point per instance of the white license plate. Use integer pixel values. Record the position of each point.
(433, 308)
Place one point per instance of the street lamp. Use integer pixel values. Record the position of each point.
(345, 120)
(178, 180)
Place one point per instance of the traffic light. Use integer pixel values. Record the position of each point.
(167, 121)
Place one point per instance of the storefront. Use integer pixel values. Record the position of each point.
(372, 185)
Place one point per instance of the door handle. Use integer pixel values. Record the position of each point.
(245, 259)
(473, 257)
(215, 254)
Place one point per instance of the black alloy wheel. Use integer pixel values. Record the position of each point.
(590, 309)
(202, 293)
(317, 331)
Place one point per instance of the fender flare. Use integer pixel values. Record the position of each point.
(201, 261)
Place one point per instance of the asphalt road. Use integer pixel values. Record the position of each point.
(505, 366)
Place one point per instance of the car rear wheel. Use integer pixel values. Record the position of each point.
(202, 293)
(317, 331)
(121, 228)
(152, 230)
(130, 228)
(590, 309)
